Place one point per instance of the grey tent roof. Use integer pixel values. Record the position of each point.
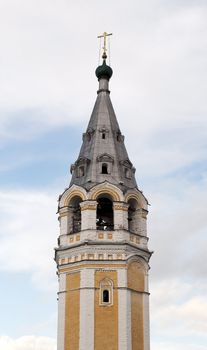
(103, 146)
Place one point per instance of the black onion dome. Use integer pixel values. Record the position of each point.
(104, 71)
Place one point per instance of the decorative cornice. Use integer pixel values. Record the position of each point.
(105, 158)
(88, 205)
(120, 206)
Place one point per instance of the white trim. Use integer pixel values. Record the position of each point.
(124, 307)
(146, 322)
(87, 309)
(61, 312)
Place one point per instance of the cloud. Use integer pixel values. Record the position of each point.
(178, 315)
(27, 343)
(176, 346)
(44, 71)
(178, 308)
(28, 235)
(177, 228)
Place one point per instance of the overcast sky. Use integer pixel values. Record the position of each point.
(49, 52)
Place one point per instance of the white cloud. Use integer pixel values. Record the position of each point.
(27, 343)
(46, 65)
(159, 82)
(186, 318)
(176, 346)
(177, 228)
(178, 311)
(28, 234)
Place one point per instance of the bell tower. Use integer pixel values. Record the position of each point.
(102, 255)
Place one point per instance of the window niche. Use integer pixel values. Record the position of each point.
(127, 168)
(104, 168)
(81, 166)
(88, 135)
(119, 137)
(104, 133)
(127, 173)
(106, 292)
(105, 163)
(81, 171)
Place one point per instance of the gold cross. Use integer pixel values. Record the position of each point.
(104, 35)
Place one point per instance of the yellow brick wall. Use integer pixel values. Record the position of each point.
(136, 282)
(72, 312)
(136, 276)
(106, 317)
(137, 321)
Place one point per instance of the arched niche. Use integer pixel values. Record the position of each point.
(74, 215)
(104, 213)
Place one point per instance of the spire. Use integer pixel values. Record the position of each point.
(103, 156)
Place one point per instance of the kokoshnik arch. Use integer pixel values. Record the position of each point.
(102, 255)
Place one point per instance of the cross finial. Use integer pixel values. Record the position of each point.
(104, 35)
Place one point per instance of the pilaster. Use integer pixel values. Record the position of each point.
(63, 219)
(124, 300)
(120, 215)
(87, 309)
(88, 215)
(61, 312)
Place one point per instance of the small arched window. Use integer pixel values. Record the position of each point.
(104, 169)
(103, 135)
(106, 292)
(105, 297)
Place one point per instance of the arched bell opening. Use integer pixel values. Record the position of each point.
(132, 215)
(74, 216)
(105, 215)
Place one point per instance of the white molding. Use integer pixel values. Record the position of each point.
(146, 322)
(87, 309)
(124, 311)
(61, 312)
